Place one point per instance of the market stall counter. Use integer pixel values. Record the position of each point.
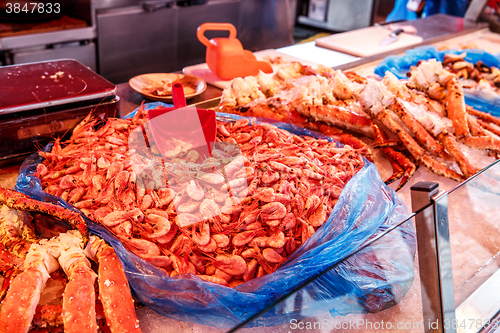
(465, 244)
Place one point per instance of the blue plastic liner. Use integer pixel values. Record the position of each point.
(400, 66)
(373, 279)
(431, 7)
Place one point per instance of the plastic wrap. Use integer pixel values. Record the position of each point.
(480, 100)
(373, 279)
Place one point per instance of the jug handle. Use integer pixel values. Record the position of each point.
(200, 33)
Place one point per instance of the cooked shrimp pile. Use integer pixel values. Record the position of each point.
(228, 218)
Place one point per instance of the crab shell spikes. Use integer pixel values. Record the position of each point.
(19, 201)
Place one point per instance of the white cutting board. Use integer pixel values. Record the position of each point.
(365, 42)
(202, 70)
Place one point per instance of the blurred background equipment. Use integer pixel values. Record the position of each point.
(338, 15)
(123, 38)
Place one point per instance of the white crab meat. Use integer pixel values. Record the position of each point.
(429, 72)
(342, 87)
(395, 86)
(311, 90)
(71, 256)
(485, 85)
(289, 72)
(41, 258)
(14, 221)
(324, 70)
(54, 247)
(245, 90)
(399, 88)
(228, 98)
(375, 97)
(432, 122)
(267, 84)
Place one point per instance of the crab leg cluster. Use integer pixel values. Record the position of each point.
(42, 259)
(427, 114)
(443, 113)
(30, 262)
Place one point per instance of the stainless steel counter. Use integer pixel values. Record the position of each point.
(432, 29)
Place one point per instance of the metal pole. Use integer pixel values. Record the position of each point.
(434, 257)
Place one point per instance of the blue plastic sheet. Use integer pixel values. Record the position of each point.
(373, 279)
(451, 7)
(480, 100)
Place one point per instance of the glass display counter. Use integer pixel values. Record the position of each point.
(456, 278)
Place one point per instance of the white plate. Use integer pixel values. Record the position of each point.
(155, 86)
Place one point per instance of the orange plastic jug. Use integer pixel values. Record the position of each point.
(226, 56)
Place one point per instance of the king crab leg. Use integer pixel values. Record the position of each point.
(421, 121)
(402, 167)
(22, 202)
(337, 115)
(79, 296)
(18, 307)
(16, 236)
(114, 291)
(78, 309)
(466, 130)
(8, 268)
(375, 98)
(342, 137)
(455, 105)
(452, 147)
(404, 162)
(416, 128)
(438, 128)
(418, 152)
(483, 115)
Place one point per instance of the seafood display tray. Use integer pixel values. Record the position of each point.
(55, 96)
(51, 83)
(21, 134)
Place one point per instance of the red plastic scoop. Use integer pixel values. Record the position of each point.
(182, 127)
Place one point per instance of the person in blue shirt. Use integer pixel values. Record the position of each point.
(405, 10)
